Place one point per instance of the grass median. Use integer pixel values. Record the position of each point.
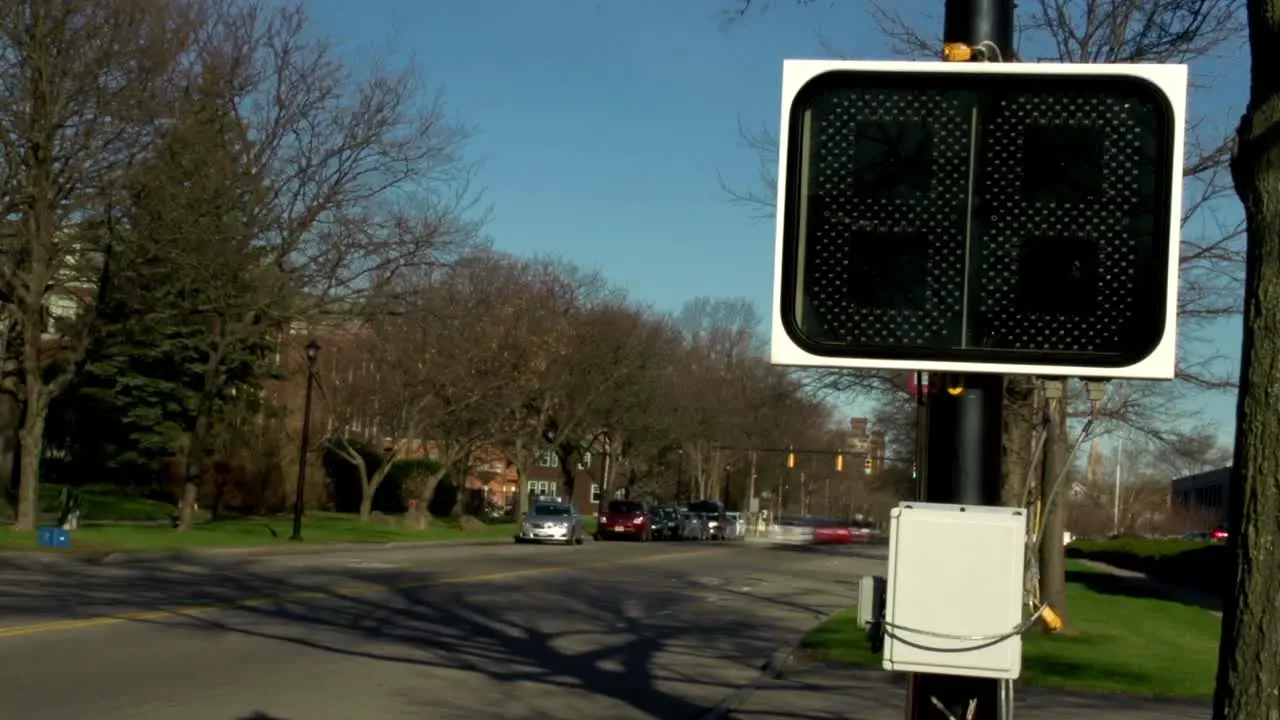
(317, 527)
(1120, 641)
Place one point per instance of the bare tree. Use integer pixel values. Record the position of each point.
(79, 100)
(1249, 654)
(377, 391)
(541, 322)
(362, 176)
(613, 343)
(440, 365)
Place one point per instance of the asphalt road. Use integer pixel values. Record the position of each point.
(608, 630)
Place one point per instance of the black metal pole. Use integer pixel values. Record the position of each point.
(922, 435)
(305, 447)
(964, 442)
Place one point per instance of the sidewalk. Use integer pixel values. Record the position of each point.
(818, 692)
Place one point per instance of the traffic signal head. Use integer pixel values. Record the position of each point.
(840, 462)
(980, 217)
(866, 466)
(791, 460)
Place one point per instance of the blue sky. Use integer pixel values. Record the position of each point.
(604, 125)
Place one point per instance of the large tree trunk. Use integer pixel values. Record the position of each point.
(193, 468)
(1019, 438)
(522, 489)
(1249, 654)
(31, 442)
(10, 422)
(568, 455)
(1053, 562)
(366, 505)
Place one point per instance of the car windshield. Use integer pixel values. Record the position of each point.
(625, 507)
(549, 509)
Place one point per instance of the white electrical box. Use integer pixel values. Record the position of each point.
(954, 597)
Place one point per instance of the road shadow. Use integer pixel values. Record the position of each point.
(592, 634)
(873, 551)
(1108, 583)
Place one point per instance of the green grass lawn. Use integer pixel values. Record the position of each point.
(318, 527)
(109, 503)
(1118, 642)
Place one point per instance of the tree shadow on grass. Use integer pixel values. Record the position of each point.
(1143, 588)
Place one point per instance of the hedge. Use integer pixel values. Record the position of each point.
(1201, 565)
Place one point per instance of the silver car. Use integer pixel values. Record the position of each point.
(735, 527)
(552, 522)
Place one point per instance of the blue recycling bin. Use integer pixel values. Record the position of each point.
(54, 537)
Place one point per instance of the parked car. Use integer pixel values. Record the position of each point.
(713, 516)
(690, 526)
(1219, 534)
(626, 519)
(735, 526)
(664, 523)
(552, 522)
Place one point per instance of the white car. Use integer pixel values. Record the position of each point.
(735, 527)
(789, 531)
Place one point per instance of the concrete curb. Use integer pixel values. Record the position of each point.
(772, 669)
(145, 556)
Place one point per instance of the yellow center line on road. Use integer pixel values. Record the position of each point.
(344, 591)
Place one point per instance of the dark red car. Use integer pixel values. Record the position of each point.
(831, 534)
(862, 532)
(626, 519)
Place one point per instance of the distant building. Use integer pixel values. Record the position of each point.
(865, 447)
(1204, 491)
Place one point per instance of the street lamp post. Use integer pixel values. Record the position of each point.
(313, 351)
(679, 475)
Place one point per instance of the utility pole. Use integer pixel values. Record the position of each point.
(1053, 586)
(964, 414)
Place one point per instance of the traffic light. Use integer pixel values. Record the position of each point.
(866, 466)
(839, 462)
(791, 459)
(980, 217)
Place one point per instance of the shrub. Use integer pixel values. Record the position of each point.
(392, 495)
(467, 523)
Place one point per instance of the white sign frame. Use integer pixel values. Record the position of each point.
(1160, 364)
